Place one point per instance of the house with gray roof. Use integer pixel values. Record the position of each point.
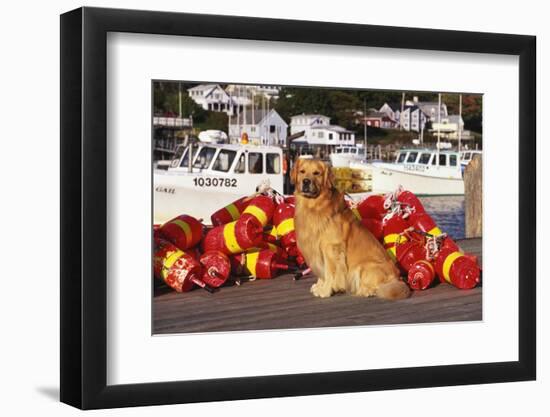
(212, 97)
(315, 129)
(262, 127)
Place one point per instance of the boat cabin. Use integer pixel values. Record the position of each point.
(428, 158)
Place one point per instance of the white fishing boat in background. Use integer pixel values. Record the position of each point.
(422, 171)
(342, 156)
(466, 156)
(202, 179)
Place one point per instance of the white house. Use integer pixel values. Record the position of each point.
(262, 128)
(450, 126)
(413, 118)
(317, 130)
(212, 97)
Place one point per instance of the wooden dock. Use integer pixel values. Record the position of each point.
(283, 303)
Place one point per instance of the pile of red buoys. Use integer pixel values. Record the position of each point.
(252, 237)
(415, 242)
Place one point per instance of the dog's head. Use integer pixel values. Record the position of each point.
(311, 177)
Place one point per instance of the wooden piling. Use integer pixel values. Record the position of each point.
(473, 197)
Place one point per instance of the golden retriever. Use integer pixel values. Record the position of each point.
(342, 253)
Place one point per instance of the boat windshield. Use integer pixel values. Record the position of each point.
(424, 158)
(401, 157)
(412, 157)
(204, 157)
(442, 160)
(224, 160)
(452, 160)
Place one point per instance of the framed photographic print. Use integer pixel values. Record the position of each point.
(256, 208)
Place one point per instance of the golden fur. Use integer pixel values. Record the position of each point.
(343, 254)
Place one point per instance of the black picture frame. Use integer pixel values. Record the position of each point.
(84, 207)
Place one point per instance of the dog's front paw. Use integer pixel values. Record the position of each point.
(320, 291)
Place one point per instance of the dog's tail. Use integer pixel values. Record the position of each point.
(393, 290)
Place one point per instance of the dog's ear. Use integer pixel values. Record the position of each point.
(294, 170)
(328, 176)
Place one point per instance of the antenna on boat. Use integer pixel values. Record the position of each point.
(438, 126)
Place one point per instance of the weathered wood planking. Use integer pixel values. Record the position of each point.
(283, 303)
(473, 197)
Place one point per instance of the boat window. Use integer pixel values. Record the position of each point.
(255, 163)
(346, 150)
(224, 160)
(185, 160)
(442, 160)
(467, 156)
(204, 157)
(179, 152)
(338, 150)
(424, 158)
(401, 157)
(272, 163)
(452, 160)
(412, 157)
(239, 169)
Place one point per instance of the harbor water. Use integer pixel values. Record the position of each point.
(448, 213)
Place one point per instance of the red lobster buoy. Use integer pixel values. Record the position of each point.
(234, 237)
(408, 199)
(283, 219)
(393, 234)
(409, 252)
(270, 234)
(424, 222)
(459, 270)
(230, 213)
(183, 231)
(375, 227)
(421, 275)
(260, 208)
(217, 268)
(372, 207)
(179, 270)
(263, 263)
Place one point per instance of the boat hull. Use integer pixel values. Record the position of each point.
(385, 180)
(200, 195)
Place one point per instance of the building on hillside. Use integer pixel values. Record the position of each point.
(315, 129)
(413, 119)
(381, 120)
(213, 97)
(449, 128)
(392, 111)
(262, 127)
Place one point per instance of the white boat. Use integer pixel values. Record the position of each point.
(343, 156)
(466, 156)
(422, 171)
(219, 175)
